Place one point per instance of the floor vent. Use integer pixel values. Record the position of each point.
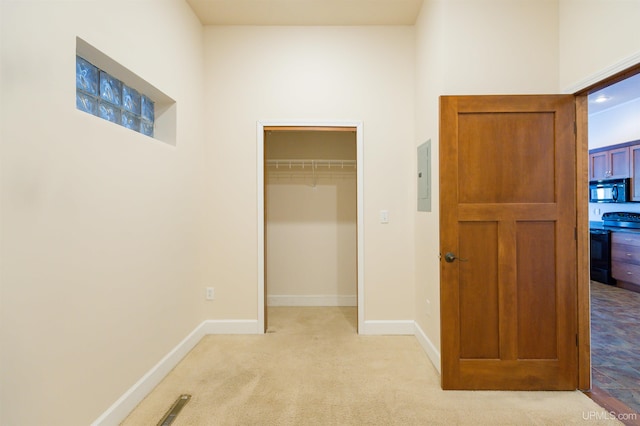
(173, 412)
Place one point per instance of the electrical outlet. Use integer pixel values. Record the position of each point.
(209, 294)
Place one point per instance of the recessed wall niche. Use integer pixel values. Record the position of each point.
(164, 107)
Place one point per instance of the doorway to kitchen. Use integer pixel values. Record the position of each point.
(613, 136)
(310, 248)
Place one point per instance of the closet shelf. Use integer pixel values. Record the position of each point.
(311, 164)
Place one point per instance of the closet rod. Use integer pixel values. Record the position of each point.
(286, 163)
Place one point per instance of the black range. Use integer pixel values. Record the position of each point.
(600, 236)
(621, 220)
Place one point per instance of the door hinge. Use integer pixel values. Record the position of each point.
(576, 339)
(575, 128)
(575, 234)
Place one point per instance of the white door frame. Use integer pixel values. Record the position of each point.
(360, 207)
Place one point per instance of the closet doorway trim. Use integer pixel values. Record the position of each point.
(311, 125)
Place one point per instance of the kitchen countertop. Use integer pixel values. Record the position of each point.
(600, 225)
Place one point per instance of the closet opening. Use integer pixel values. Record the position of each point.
(311, 200)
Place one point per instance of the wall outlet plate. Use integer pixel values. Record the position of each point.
(384, 216)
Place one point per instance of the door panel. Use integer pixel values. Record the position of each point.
(477, 147)
(535, 248)
(508, 212)
(479, 291)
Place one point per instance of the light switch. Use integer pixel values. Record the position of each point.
(384, 216)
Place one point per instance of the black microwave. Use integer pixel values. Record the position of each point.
(610, 191)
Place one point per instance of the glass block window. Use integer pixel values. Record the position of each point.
(101, 94)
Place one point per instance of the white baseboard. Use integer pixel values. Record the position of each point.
(132, 397)
(231, 327)
(428, 346)
(398, 327)
(311, 300)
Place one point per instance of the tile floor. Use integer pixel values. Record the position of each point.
(615, 342)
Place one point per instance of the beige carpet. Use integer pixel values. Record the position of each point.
(311, 368)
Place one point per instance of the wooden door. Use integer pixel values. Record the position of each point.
(265, 237)
(508, 242)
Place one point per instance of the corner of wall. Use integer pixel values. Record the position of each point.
(430, 349)
(134, 395)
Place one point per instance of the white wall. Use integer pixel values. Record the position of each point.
(500, 47)
(472, 47)
(615, 125)
(311, 220)
(597, 39)
(100, 224)
(430, 65)
(311, 238)
(313, 73)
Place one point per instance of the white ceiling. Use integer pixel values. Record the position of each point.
(306, 12)
(615, 95)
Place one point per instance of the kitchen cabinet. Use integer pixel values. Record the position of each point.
(634, 170)
(625, 259)
(609, 164)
